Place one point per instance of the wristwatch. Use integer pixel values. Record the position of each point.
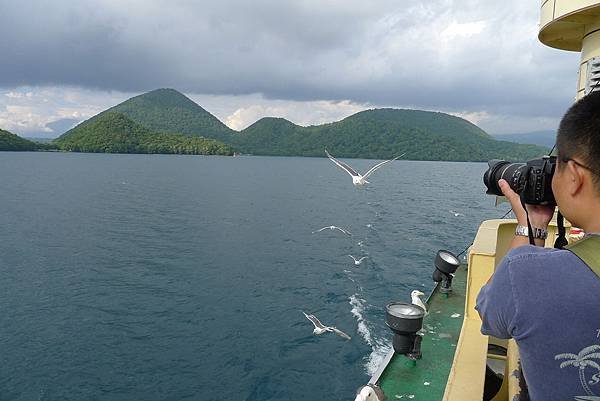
(538, 233)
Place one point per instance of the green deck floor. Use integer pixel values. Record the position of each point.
(401, 379)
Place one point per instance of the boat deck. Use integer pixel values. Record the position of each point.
(426, 380)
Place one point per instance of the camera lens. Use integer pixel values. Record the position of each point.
(501, 169)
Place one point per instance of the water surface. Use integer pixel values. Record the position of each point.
(154, 277)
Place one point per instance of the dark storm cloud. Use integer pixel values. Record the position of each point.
(434, 54)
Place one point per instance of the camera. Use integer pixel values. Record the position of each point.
(532, 180)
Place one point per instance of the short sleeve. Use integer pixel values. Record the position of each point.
(496, 304)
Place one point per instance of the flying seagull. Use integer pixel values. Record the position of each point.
(416, 300)
(333, 228)
(320, 328)
(358, 179)
(358, 261)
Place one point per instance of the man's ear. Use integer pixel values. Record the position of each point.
(575, 178)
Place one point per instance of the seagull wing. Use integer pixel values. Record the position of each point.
(361, 259)
(314, 321)
(308, 317)
(375, 167)
(321, 229)
(342, 165)
(353, 257)
(340, 333)
(342, 230)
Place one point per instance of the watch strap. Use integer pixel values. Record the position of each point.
(538, 233)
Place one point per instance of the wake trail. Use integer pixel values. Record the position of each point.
(379, 347)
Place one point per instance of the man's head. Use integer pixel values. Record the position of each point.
(576, 182)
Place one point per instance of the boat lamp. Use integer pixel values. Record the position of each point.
(405, 320)
(446, 264)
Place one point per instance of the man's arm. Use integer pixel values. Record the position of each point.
(539, 216)
(495, 301)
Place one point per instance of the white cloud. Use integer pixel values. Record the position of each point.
(452, 54)
(300, 113)
(28, 110)
(476, 117)
(22, 118)
(463, 30)
(509, 124)
(14, 95)
(308, 61)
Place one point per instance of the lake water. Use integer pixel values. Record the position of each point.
(151, 277)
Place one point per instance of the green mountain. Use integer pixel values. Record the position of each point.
(378, 134)
(382, 134)
(12, 142)
(113, 132)
(269, 136)
(167, 110)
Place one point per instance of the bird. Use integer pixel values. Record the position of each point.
(320, 328)
(456, 214)
(416, 300)
(370, 392)
(332, 228)
(358, 261)
(358, 179)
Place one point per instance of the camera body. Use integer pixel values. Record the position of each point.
(532, 180)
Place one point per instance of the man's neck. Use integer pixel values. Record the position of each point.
(595, 229)
(591, 219)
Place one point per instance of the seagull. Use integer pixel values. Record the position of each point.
(456, 214)
(357, 179)
(333, 228)
(320, 328)
(358, 261)
(416, 300)
(370, 392)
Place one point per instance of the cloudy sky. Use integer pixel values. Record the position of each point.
(310, 61)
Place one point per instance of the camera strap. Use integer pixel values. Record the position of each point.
(529, 228)
(561, 240)
(588, 250)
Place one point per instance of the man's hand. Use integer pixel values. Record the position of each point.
(539, 216)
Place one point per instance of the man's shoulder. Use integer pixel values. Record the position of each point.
(530, 252)
(527, 261)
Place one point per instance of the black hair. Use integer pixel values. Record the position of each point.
(579, 134)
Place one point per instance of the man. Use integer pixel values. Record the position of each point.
(548, 300)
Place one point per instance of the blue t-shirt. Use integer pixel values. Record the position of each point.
(548, 300)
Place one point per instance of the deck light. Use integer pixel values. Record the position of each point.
(405, 320)
(445, 266)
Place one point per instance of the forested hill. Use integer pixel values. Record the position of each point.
(381, 134)
(167, 110)
(378, 134)
(112, 132)
(12, 142)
